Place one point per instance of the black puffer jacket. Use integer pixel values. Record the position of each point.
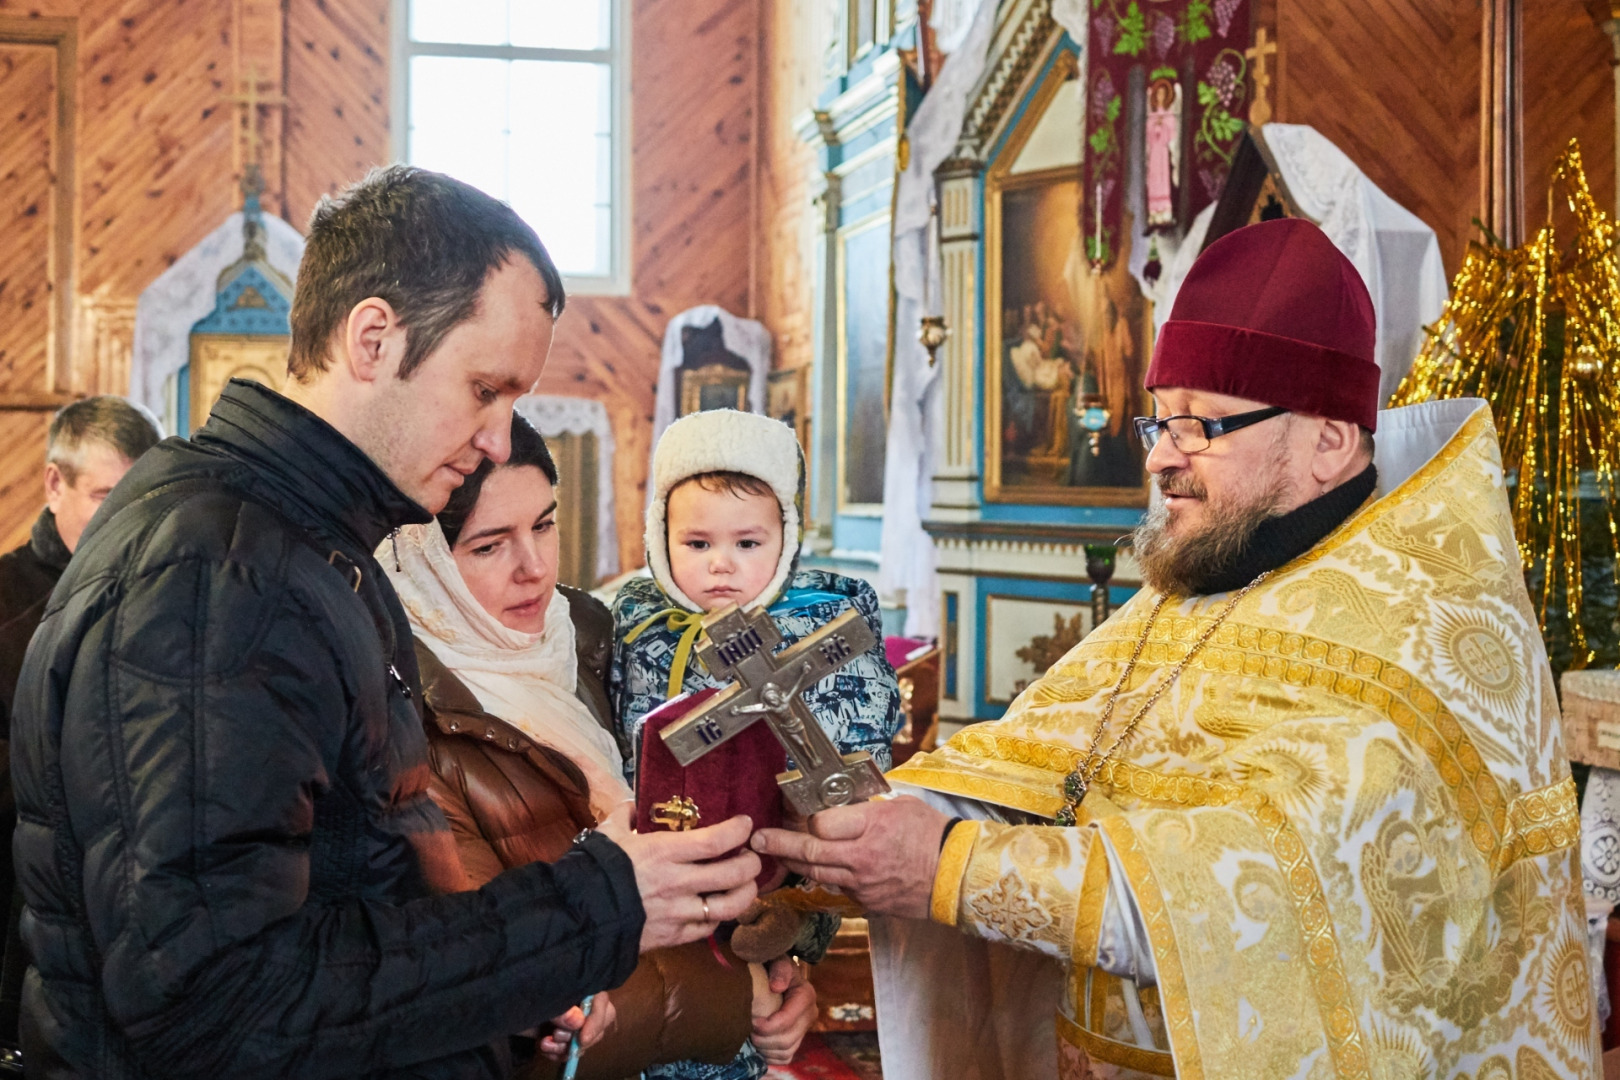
(221, 779)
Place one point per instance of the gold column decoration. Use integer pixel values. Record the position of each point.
(1535, 331)
(103, 342)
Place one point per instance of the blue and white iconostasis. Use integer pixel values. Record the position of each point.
(1020, 485)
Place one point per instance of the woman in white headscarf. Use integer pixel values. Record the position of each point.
(513, 670)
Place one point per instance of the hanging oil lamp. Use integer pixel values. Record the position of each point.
(1091, 409)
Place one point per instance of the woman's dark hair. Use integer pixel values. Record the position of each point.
(528, 449)
(420, 240)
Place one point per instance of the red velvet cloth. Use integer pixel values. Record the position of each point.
(736, 777)
(1274, 313)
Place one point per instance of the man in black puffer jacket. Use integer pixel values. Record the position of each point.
(230, 862)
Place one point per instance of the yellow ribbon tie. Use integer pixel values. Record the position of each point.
(686, 624)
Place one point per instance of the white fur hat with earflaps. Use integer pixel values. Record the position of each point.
(726, 440)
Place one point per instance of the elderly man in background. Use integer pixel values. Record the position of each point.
(90, 446)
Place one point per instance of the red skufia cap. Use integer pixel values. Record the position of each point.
(1275, 313)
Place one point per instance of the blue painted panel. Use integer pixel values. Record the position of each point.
(1057, 591)
(953, 604)
(249, 304)
(854, 532)
(876, 201)
(1121, 517)
(182, 395)
(867, 139)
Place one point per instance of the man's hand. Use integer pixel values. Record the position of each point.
(685, 895)
(777, 1036)
(883, 853)
(554, 1044)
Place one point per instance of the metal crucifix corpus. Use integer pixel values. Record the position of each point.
(737, 645)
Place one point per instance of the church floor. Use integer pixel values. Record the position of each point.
(834, 1055)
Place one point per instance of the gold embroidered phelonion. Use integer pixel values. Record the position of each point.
(1085, 773)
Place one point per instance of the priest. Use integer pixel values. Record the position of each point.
(1302, 807)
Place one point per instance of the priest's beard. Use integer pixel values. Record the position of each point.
(1178, 565)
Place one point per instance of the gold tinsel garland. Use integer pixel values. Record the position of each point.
(1554, 395)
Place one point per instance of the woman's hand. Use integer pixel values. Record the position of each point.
(554, 1045)
(690, 882)
(778, 1035)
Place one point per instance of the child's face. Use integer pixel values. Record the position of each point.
(723, 546)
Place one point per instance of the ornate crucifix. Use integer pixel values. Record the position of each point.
(737, 645)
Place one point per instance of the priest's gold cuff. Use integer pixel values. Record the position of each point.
(953, 864)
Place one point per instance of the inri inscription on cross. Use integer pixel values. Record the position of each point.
(737, 646)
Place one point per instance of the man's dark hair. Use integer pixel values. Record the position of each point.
(528, 448)
(119, 423)
(422, 241)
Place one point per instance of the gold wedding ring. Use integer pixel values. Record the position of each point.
(705, 902)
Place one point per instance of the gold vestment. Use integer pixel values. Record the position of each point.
(1349, 828)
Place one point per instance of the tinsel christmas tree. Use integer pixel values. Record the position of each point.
(1535, 331)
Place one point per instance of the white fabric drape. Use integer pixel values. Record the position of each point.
(527, 680)
(907, 563)
(744, 337)
(1397, 254)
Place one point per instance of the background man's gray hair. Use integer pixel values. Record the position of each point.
(122, 424)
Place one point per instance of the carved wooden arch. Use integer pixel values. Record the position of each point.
(1030, 35)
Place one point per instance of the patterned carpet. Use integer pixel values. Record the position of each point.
(834, 1055)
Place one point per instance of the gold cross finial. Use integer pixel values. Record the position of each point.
(1260, 111)
(251, 100)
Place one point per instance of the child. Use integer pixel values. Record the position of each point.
(724, 528)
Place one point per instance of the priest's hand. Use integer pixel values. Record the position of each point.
(883, 853)
(687, 888)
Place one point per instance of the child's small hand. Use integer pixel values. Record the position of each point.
(554, 1044)
(777, 1036)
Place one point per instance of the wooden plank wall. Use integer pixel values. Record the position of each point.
(158, 160)
(791, 47)
(1569, 92)
(1395, 84)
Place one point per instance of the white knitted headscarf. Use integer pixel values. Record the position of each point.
(725, 440)
(527, 680)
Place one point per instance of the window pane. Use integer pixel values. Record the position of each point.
(561, 24)
(463, 22)
(459, 119)
(560, 179)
